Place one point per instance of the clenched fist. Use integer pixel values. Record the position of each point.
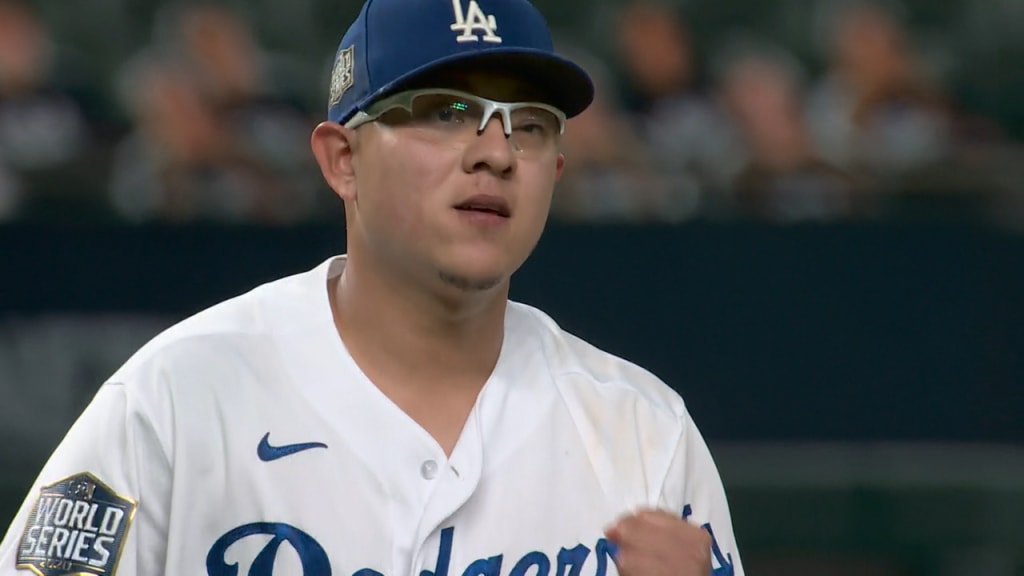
(658, 543)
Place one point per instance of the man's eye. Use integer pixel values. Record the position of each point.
(534, 128)
(452, 112)
(445, 115)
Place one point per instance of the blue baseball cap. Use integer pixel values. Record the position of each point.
(394, 42)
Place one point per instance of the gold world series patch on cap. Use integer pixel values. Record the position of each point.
(343, 74)
(77, 526)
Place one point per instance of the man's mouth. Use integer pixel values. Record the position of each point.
(486, 204)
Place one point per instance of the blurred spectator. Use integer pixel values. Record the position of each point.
(238, 77)
(182, 162)
(875, 110)
(683, 130)
(46, 141)
(213, 140)
(783, 179)
(609, 175)
(218, 46)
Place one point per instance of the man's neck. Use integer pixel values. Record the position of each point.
(403, 336)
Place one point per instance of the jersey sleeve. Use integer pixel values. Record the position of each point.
(99, 504)
(693, 488)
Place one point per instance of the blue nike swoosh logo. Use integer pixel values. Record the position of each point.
(267, 453)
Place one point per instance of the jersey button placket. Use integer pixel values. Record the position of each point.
(428, 470)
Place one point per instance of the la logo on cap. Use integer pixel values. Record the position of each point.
(474, 20)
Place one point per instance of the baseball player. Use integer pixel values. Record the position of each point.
(390, 412)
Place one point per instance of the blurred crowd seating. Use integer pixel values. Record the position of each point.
(782, 112)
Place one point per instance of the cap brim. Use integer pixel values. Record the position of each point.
(568, 86)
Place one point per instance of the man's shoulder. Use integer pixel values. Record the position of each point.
(222, 330)
(581, 367)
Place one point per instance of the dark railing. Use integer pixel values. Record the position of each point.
(839, 332)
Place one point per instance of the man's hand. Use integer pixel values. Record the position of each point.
(658, 543)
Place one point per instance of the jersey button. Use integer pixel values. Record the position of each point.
(428, 470)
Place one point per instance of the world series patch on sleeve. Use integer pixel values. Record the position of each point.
(77, 526)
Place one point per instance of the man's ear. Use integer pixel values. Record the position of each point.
(559, 166)
(332, 146)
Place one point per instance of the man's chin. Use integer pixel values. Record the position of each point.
(468, 282)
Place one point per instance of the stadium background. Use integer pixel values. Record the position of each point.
(821, 247)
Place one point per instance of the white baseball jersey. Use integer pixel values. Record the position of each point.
(246, 441)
